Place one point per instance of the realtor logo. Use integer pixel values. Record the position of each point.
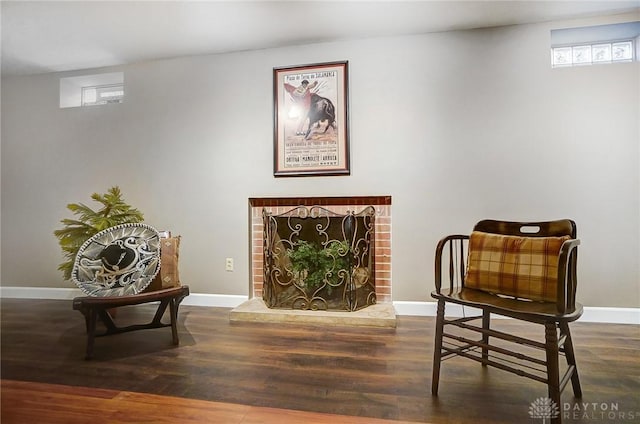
(544, 408)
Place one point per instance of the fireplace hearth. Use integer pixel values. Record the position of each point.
(316, 259)
(382, 314)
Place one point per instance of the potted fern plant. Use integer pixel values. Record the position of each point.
(314, 265)
(113, 211)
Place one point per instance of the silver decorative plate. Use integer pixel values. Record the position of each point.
(118, 261)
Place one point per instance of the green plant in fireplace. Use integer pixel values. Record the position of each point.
(313, 265)
(113, 211)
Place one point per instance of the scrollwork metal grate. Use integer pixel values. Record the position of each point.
(316, 259)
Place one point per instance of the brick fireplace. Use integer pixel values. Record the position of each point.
(341, 205)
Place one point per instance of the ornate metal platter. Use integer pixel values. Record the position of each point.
(118, 261)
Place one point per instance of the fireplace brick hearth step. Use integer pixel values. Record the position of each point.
(254, 310)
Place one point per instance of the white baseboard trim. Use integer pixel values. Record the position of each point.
(217, 300)
(591, 313)
(39, 293)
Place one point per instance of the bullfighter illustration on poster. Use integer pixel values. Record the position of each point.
(311, 120)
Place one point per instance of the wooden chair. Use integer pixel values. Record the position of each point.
(522, 270)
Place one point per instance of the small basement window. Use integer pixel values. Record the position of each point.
(102, 94)
(615, 43)
(91, 90)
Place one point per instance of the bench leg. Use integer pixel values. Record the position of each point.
(162, 307)
(91, 318)
(173, 310)
(107, 319)
(437, 349)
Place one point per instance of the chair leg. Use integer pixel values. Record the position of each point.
(553, 370)
(571, 359)
(437, 348)
(486, 323)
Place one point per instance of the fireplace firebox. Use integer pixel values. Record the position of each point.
(316, 259)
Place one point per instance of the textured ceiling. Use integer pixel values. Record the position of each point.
(48, 36)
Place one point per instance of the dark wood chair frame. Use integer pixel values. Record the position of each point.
(555, 317)
(98, 307)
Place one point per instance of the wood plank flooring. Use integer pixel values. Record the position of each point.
(25, 402)
(251, 369)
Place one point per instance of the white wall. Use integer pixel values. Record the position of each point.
(456, 126)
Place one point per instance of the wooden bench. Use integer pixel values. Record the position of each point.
(98, 307)
(522, 270)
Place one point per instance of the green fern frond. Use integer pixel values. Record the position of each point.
(88, 222)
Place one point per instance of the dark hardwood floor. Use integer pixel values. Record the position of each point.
(350, 371)
(26, 402)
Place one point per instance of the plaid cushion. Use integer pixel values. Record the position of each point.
(525, 267)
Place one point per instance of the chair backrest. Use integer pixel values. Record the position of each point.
(519, 259)
(559, 228)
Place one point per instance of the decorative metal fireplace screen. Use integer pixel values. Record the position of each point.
(315, 259)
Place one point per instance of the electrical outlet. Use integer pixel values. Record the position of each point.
(228, 264)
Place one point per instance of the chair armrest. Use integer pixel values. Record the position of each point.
(454, 252)
(567, 278)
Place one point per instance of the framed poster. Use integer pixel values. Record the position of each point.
(311, 134)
